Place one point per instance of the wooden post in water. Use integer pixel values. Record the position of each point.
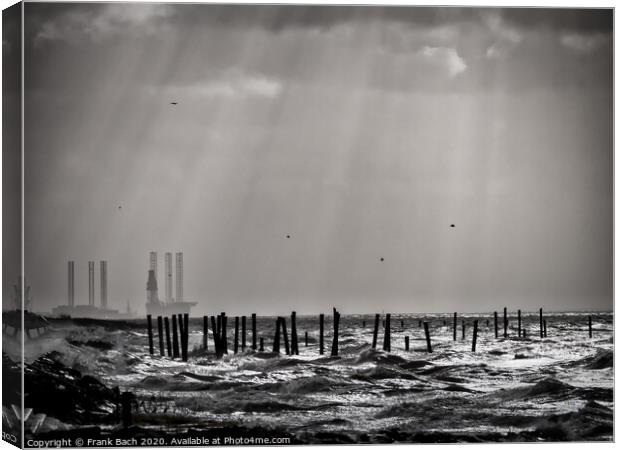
(276, 338)
(363, 324)
(505, 322)
(181, 333)
(321, 333)
(475, 336)
(375, 332)
(205, 332)
(175, 337)
(454, 328)
(519, 322)
(168, 343)
(590, 326)
(541, 323)
(495, 317)
(524, 333)
(294, 344)
(406, 343)
(219, 325)
(236, 334)
(254, 331)
(336, 325)
(402, 324)
(387, 345)
(262, 347)
(223, 335)
(428, 338)
(243, 331)
(160, 332)
(126, 401)
(463, 329)
(185, 337)
(216, 338)
(285, 335)
(149, 328)
(306, 338)
(545, 327)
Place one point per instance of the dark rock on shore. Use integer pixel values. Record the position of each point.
(63, 393)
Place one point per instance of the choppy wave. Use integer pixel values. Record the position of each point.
(556, 388)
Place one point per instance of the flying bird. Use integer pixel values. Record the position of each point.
(381, 259)
(452, 226)
(173, 103)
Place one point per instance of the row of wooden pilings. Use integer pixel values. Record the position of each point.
(182, 337)
(220, 340)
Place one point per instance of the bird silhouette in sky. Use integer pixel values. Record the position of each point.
(452, 226)
(173, 103)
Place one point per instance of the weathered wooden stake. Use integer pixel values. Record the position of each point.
(541, 323)
(387, 345)
(285, 335)
(545, 327)
(519, 322)
(363, 324)
(463, 329)
(149, 327)
(294, 344)
(236, 334)
(495, 317)
(254, 331)
(276, 338)
(262, 347)
(454, 328)
(590, 326)
(168, 343)
(505, 322)
(126, 401)
(175, 338)
(306, 338)
(428, 338)
(216, 338)
(475, 336)
(375, 332)
(402, 324)
(186, 336)
(406, 343)
(205, 332)
(321, 333)
(224, 337)
(160, 332)
(243, 331)
(335, 340)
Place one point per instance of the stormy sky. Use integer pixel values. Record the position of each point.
(361, 132)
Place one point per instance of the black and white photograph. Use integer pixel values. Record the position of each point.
(297, 224)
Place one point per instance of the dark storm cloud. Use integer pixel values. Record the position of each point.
(282, 17)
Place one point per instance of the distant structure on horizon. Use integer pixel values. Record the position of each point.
(90, 310)
(170, 305)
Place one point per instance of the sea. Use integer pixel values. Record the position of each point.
(510, 389)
